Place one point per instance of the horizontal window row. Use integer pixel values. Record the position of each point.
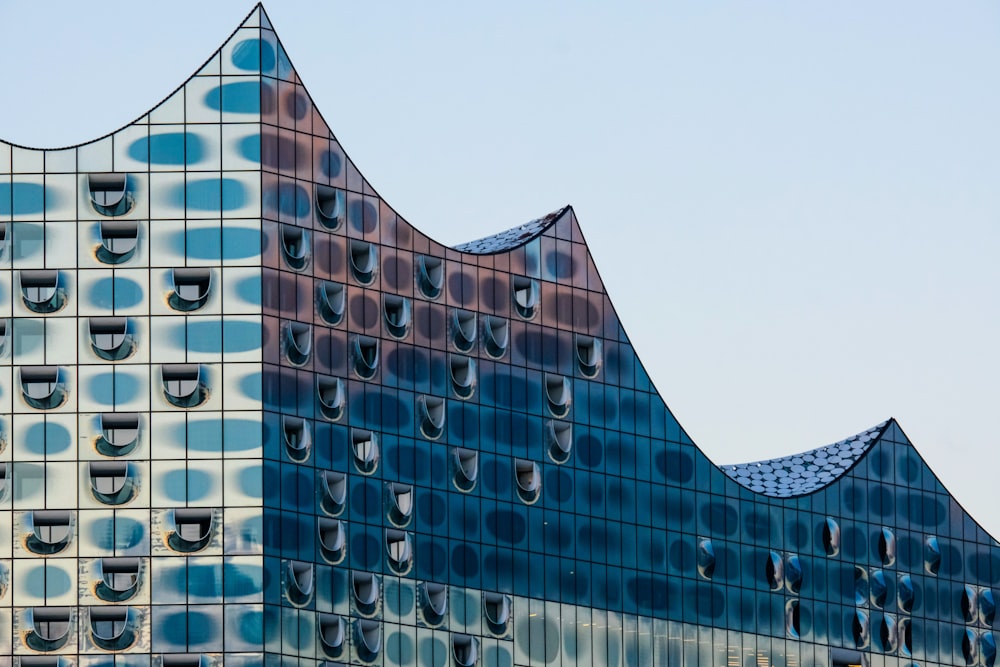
(46, 387)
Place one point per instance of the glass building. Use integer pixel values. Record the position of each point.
(249, 415)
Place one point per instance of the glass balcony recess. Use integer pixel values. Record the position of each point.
(887, 546)
(905, 593)
(434, 599)
(191, 288)
(932, 555)
(51, 531)
(4, 238)
(463, 375)
(5, 329)
(4, 483)
(112, 628)
(364, 445)
(588, 355)
(496, 334)
(112, 338)
(878, 588)
(987, 647)
(191, 530)
(399, 549)
(42, 290)
(365, 355)
(295, 246)
(793, 573)
(330, 628)
(860, 586)
(330, 302)
(300, 582)
(332, 397)
(831, 537)
(792, 627)
(888, 634)
(558, 394)
(4, 580)
(463, 330)
(363, 258)
(119, 240)
(43, 387)
(331, 207)
(987, 607)
(112, 482)
(431, 411)
(183, 385)
(297, 438)
(968, 603)
(466, 463)
(49, 628)
(904, 633)
(334, 485)
(465, 650)
(400, 500)
(119, 578)
(525, 296)
(110, 194)
(366, 590)
(860, 630)
(774, 571)
(706, 558)
(397, 315)
(184, 660)
(368, 636)
(119, 433)
(970, 649)
(560, 440)
(497, 611)
(528, 476)
(430, 276)
(298, 342)
(332, 539)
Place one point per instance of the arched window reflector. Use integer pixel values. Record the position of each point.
(860, 585)
(432, 413)
(496, 609)
(364, 445)
(987, 607)
(297, 437)
(905, 593)
(905, 633)
(4, 485)
(968, 603)
(525, 296)
(300, 581)
(400, 499)
(110, 194)
(331, 206)
(887, 634)
(330, 628)
(463, 329)
(434, 598)
(706, 558)
(112, 482)
(932, 555)
(558, 393)
(878, 588)
(560, 440)
(332, 539)
(298, 342)
(368, 634)
(112, 338)
(43, 387)
(969, 647)
(496, 333)
(330, 301)
(859, 629)
(887, 546)
(119, 433)
(183, 385)
(332, 397)
(466, 468)
(792, 619)
(363, 260)
(49, 628)
(528, 476)
(4, 337)
(987, 648)
(465, 650)
(42, 290)
(463, 375)
(399, 549)
(112, 628)
(119, 239)
(396, 312)
(831, 537)
(183, 660)
(3, 238)
(119, 579)
(588, 355)
(191, 289)
(295, 246)
(334, 486)
(51, 531)
(192, 529)
(365, 587)
(430, 276)
(365, 356)
(793, 573)
(774, 571)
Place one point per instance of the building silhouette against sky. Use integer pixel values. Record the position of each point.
(251, 416)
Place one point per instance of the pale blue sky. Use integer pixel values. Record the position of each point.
(795, 206)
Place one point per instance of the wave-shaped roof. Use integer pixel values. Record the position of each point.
(513, 237)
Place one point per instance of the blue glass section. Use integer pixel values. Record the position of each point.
(23, 198)
(117, 533)
(47, 438)
(253, 55)
(115, 292)
(168, 148)
(249, 147)
(210, 194)
(237, 97)
(113, 387)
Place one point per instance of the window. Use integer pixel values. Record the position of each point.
(465, 650)
(295, 246)
(119, 579)
(331, 207)
(331, 634)
(369, 638)
(191, 289)
(399, 549)
(330, 301)
(4, 488)
(793, 573)
(112, 338)
(463, 330)
(299, 582)
(431, 411)
(878, 588)
(363, 258)
(112, 482)
(588, 355)
(49, 628)
(859, 629)
(119, 433)
(831, 537)
(43, 387)
(463, 375)
(430, 276)
(51, 531)
(183, 385)
(774, 571)
(932, 555)
(496, 610)
(365, 354)
(111, 194)
(558, 393)
(560, 440)
(298, 342)
(334, 485)
(528, 478)
(396, 313)
(887, 546)
(42, 290)
(365, 587)
(466, 463)
(840, 657)
(400, 498)
(119, 239)
(525, 296)
(706, 558)
(5, 328)
(332, 539)
(905, 593)
(192, 529)
(434, 605)
(332, 397)
(792, 628)
(297, 438)
(496, 332)
(364, 445)
(111, 628)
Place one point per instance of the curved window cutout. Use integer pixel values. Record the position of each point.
(332, 397)
(969, 647)
(396, 312)
(364, 445)
(987, 607)
(887, 546)
(774, 571)
(888, 639)
(43, 387)
(432, 413)
(465, 649)
(588, 355)
(860, 586)
(878, 588)
(112, 338)
(330, 628)
(366, 589)
(968, 603)
(183, 660)
(332, 539)
(400, 498)
(5, 328)
(528, 476)
(51, 531)
(831, 537)
(793, 573)
(298, 342)
(430, 276)
(399, 549)
(560, 441)
(988, 649)
(4, 486)
(435, 602)
(558, 393)
(905, 634)
(363, 260)
(706, 559)
(365, 356)
(112, 628)
(112, 482)
(42, 290)
(368, 634)
(330, 301)
(300, 581)
(463, 375)
(792, 627)
(183, 385)
(119, 239)
(119, 579)
(297, 437)
(3, 238)
(334, 486)
(496, 334)
(463, 330)
(466, 468)
(295, 246)
(497, 610)
(859, 629)
(119, 433)
(331, 207)
(905, 593)
(110, 194)
(932, 555)
(50, 628)
(525, 296)
(191, 289)
(192, 529)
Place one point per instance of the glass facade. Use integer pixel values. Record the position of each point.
(250, 416)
